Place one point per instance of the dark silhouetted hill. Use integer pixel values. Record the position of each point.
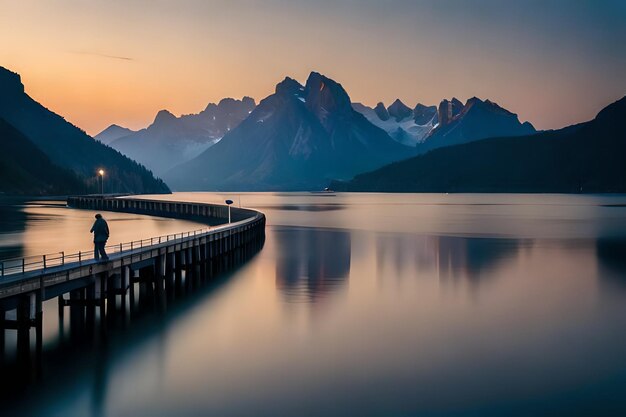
(24, 169)
(589, 157)
(68, 146)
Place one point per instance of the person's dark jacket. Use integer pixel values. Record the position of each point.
(100, 230)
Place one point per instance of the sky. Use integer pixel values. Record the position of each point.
(553, 62)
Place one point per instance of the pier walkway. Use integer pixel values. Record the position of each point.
(25, 283)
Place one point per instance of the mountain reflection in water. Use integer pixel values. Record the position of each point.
(452, 258)
(311, 263)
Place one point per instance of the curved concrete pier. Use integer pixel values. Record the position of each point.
(157, 262)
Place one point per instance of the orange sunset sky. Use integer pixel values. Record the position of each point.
(100, 62)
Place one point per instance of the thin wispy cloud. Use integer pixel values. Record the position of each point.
(123, 58)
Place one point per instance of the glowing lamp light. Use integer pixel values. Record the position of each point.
(101, 173)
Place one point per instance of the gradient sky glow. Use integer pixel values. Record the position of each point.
(554, 62)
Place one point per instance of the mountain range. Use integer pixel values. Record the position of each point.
(300, 137)
(588, 157)
(295, 139)
(66, 147)
(451, 123)
(171, 140)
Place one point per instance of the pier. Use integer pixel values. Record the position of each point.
(161, 266)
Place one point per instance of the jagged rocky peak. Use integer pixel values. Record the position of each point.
(423, 114)
(381, 111)
(227, 102)
(496, 107)
(163, 117)
(326, 95)
(10, 83)
(289, 86)
(448, 110)
(476, 105)
(487, 105)
(230, 102)
(248, 101)
(398, 110)
(444, 113)
(231, 106)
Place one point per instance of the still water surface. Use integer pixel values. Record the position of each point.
(368, 305)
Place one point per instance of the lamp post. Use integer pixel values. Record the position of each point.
(101, 173)
(228, 203)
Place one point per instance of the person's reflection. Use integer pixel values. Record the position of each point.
(100, 385)
(311, 263)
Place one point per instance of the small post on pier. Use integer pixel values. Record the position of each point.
(228, 202)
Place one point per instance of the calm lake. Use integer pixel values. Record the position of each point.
(358, 305)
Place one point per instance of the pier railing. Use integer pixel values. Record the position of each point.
(50, 260)
(175, 209)
(163, 208)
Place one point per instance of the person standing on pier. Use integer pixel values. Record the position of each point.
(100, 230)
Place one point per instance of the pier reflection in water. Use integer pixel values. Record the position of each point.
(374, 305)
(87, 346)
